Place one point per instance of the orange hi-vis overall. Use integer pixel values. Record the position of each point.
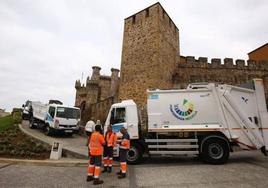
(124, 147)
(96, 151)
(111, 141)
(88, 153)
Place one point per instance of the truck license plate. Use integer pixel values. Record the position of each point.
(68, 131)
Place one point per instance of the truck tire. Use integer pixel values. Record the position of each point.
(215, 150)
(48, 130)
(69, 134)
(31, 123)
(134, 155)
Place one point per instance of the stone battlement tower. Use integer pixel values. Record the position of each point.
(150, 53)
(96, 96)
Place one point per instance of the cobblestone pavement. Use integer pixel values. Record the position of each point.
(244, 169)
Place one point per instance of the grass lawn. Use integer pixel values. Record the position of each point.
(6, 122)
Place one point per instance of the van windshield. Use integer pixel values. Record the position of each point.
(70, 113)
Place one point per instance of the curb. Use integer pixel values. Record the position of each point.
(49, 162)
(66, 152)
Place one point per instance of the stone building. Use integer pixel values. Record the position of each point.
(151, 59)
(96, 96)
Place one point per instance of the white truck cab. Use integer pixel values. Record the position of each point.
(204, 119)
(55, 118)
(25, 110)
(124, 114)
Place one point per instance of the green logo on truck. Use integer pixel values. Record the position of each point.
(186, 112)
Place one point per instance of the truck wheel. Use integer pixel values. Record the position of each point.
(134, 155)
(69, 134)
(48, 130)
(23, 116)
(31, 123)
(215, 150)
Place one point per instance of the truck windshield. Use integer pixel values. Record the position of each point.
(70, 113)
(28, 103)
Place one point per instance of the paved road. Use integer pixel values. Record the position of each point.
(76, 143)
(245, 169)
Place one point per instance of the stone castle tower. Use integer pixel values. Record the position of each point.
(151, 59)
(95, 98)
(149, 54)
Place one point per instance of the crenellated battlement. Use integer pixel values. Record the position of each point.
(226, 63)
(155, 11)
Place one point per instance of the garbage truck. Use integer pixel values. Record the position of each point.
(205, 119)
(54, 117)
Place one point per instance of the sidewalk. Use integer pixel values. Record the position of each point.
(74, 146)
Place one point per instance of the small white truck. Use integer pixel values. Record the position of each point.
(54, 118)
(205, 119)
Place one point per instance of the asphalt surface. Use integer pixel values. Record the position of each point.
(75, 144)
(244, 169)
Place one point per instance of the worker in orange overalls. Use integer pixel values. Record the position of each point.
(123, 149)
(96, 151)
(111, 141)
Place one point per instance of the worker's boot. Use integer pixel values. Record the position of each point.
(119, 173)
(104, 169)
(90, 178)
(97, 181)
(122, 175)
(109, 170)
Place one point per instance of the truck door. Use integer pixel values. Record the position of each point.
(118, 119)
(50, 115)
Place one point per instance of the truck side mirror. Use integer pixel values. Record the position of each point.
(23, 106)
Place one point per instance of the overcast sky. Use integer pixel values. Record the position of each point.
(46, 45)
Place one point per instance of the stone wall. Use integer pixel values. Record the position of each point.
(227, 71)
(100, 109)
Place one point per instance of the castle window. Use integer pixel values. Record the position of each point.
(147, 13)
(134, 19)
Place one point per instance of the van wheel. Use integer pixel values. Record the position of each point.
(215, 151)
(48, 130)
(134, 154)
